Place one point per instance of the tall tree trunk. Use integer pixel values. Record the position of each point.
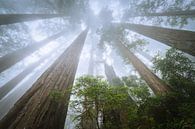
(16, 56)
(15, 18)
(112, 116)
(88, 121)
(188, 13)
(180, 39)
(91, 62)
(121, 115)
(155, 83)
(45, 104)
(6, 88)
(111, 75)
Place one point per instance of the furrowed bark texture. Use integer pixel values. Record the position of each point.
(6, 19)
(16, 56)
(45, 104)
(155, 83)
(181, 39)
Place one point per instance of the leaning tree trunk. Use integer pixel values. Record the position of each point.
(155, 83)
(16, 56)
(6, 88)
(188, 13)
(44, 105)
(15, 18)
(181, 39)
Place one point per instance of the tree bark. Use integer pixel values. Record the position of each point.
(155, 83)
(188, 13)
(6, 19)
(181, 39)
(88, 121)
(45, 104)
(6, 88)
(91, 62)
(16, 56)
(110, 74)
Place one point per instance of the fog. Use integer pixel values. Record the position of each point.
(93, 14)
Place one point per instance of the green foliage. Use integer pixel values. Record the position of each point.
(96, 100)
(95, 94)
(177, 70)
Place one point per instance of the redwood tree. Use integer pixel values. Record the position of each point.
(188, 13)
(155, 83)
(181, 39)
(45, 104)
(16, 18)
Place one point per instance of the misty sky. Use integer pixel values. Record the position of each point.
(39, 30)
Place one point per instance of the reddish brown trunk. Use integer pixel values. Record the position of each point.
(15, 18)
(181, 39)
(14, 57)
(44, 105)
(151, 79)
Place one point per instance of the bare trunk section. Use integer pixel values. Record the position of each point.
(155, 83)
(181, 39)
(91, 62)
(6, 88)
(15, 18)
(110, 74)
(189, 13)
(112, 115)
(16, 56)
(88, 121)
(121, 116)
(45, 104)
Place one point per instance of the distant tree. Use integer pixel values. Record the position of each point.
(117, 37)
(111, 76)
(11, 84)
(12, 58)
(16, 18)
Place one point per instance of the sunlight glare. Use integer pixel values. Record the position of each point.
(94, 7)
